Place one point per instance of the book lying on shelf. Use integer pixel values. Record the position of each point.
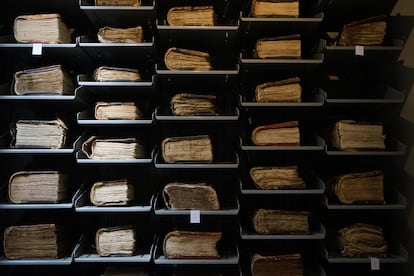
(187, 149)
(360, 188)
(185, 59)
(185, 104)
(183, 196)
(191, 16)
(191, 245)
(125, 271)
(112, 193)
(289, 46)
(275, 8)
(277, 265)
(132, 3)
(113, 148)
(120, 35)
(41, 28)
(288, 90)
(277, 178)
(46, 134)
(280, 134)
(362, 240)
(366, 32)
(38, 187)
(117, 111)
(268, 222)
(38, 241)
(115, 241)
(47, 80)
(105, 73)
(356, 135)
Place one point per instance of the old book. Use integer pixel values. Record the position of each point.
(267, 222)
(277, 265)
(117, 111)
(191, 245)
(281, 134)
(38, 241)
(362, 240)
(288, 90)
(366, 32)
(358, 135)
(112, 193)
(185, 59)
(48, 80)
(275, 8)
(39, 134)
(183, 196)
(120, 35)
(125, 271)
(185, 104)
(113, 148)
(277, 178)
(289, 46)
(187, 149)
(115, 241)
(360, 188)
(106, 73)
(38, 187)
(191, 16)
(132, 3)
(41, 28)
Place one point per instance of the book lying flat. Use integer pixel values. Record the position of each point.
(275, 8)
(191, 245)
(185, 59)
(267, 222)
(191, 16)
(120, 35)
(187, 149)
(183, 196)
(288, 90)
(277, 178)
(105, 73)
(112, 193)
(113, 148)
(47, 80)
(115, 241)
(289, 46)
(38, 187)
(277, 265)
(281, 134)
(185, 104)
(367, 32)
(132, 3)
(41, 28)
(362, 240)
(117, 111)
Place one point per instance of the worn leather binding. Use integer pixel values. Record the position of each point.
(277, 265)
(289, 46)
(288, 90)
(113, 148)
(267, 222)
(277, 178)
(120, 35)
(191, 245)
(183, 196)
(115, 241)
(281, 134)
(132, 3)
(185, 104)
(187, 149)
(367, 32)
(191, 16)
(275, 8)
(185, 59)
(106, 73)
(112, 193)
(117, 111)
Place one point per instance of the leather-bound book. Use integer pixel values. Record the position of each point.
(131, 3)
(182, 196)
(277, 265)
(367, 32)
(268, 222)
(187, 149)
(289, 46)
(112, 193)
(281, 134)
(185, 104)
(106, 73)
(185, 59)
(191, 16)
(117, 111)
(288, 90)
(275, 8)
(116, 241)
(277, 178)
(120, 35)
(113, 148)
(191, 245)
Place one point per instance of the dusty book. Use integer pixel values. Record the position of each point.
(38, 187)
(117, 111)
(112, 193)
(120, 35)
(187, 149)
(288, 90)
(191, 16)
(131, 3)
(275, 8)
(185, 59)
(185, 104)
(41, 28)
(269, 222)
(277, 178)
(281, 134)
(113, 148)
(47, 80)
(115, 241)
(106, 73)
(191, 245)
(289, 46)
(367, 32)
(183, 196)
(277, 265)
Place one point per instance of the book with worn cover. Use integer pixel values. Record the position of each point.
(289, 46)
(191, 16)
(185, 104)
(120, 35)
(367, 32)
(113, 148)
(115, 241)
(117, 111)
(277, 177)
(185, 59)
(183, 196)
(275, 8)
(106, 73)
(288, 90)
(112, 193)
(277, 265)
(187, 149)
(266, 221)
(281, 134)
(132, 3)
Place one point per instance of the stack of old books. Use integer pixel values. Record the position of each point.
(105, 73)
(117, 111)
(281, 134)
(185, 59)
(289, 46)
(191, 16)
(267, 222)
(112, 193)
(275, 178)
(366, 32)
(132, 3)
(277, 265)
(275, 8)
(115, 241)
(113, 148)
(183, 196)
(120, 35)
(185, 104)
(288, 90)
(38, 187)
(187, 149)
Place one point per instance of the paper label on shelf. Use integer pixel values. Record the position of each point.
(359, 50)
(375, 264)
(195, 216)
(37, 49)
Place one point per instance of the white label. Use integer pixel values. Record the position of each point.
(37, 49)
(375, 264)
(359, 50)
(195, 216)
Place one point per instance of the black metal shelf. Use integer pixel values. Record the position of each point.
(393, 148)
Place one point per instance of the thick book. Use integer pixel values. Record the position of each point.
(38, 187)
(268, 222)
(41, 28)
(112, 193)
(191, 245)
(47, 80)
(113, 148)
(277, 178)
(106, 73)
(288, 90)
(277, 265)
(183, 196)
(185, 59)
(275, 8)
(362, 240)
(185, 104)
(187, 149)
(191, 16)
(289, 46)
(367, 32)
(280, 134)
(117, 111)
(38, 241)
(120, 35)
(357, 135)
(131, 3)
(115, 241)
(46, 134)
